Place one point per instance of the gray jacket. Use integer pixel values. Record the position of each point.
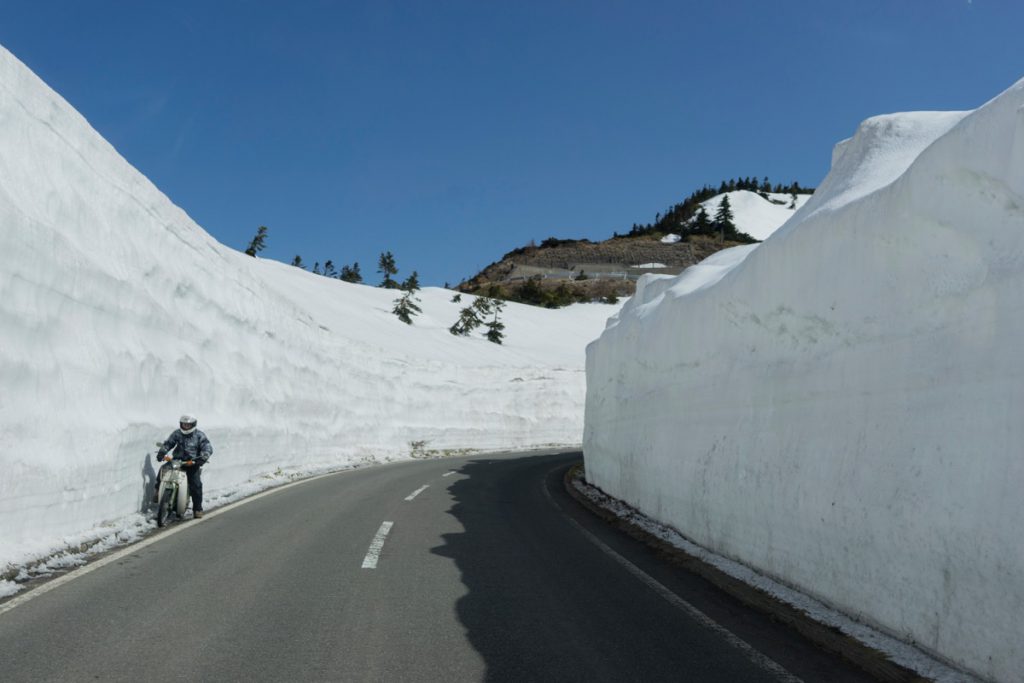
(194, 446)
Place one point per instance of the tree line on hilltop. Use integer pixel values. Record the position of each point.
(689, 217)
(347, 273)
(482, 311)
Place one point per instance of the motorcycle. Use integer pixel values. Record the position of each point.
(172, 494)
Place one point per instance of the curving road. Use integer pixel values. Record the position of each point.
(463, 569)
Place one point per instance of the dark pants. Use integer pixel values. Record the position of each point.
(195, 486)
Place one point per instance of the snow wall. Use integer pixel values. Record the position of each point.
(118, 313)
(842, 409)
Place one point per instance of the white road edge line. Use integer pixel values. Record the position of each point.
(373, 554)
(417, 492)
(758, 658)
(135, 547)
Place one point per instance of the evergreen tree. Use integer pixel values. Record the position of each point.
(467, 322)
(386, 265)
(472, 316)
(329, 270)
(258, 242)
(495, 328)
(297, 262)
(412, 283)
(351, 273)
(724, 217)
(457, 298)
(316, 268)
(702, 223)
(406, 306)
(483, 306)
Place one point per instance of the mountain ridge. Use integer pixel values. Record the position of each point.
(561, 271)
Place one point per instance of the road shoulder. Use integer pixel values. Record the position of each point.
(829, 637)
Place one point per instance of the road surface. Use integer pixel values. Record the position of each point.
(476, 568)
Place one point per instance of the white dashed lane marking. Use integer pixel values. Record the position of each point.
(376, 545)
(417, 492)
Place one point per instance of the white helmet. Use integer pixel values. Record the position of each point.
(187, 424)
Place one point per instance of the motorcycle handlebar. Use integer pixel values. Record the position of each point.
(168, 458)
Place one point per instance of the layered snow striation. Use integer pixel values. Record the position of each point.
(118, 313)
(840, 406)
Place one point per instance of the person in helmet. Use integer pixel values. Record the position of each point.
(190, 445)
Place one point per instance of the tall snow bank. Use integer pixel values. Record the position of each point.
(841, 409)
(118, 313)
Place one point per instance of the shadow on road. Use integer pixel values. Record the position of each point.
(538, 606)
(543, 603)
(508, 612)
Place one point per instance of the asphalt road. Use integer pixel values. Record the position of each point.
(490, 573)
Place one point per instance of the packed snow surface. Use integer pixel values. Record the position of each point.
(118, 313)
(758, 216)
(840, 407)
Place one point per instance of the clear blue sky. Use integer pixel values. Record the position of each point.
(452, 132)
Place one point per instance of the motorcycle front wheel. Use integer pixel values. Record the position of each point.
(164, 507)
(182, 501)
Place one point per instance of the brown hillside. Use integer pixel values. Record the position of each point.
(560, 272)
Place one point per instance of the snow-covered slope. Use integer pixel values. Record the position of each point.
(842, 408)
(755, 215)
(118, 313)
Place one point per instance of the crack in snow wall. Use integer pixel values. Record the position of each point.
(842, 409)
